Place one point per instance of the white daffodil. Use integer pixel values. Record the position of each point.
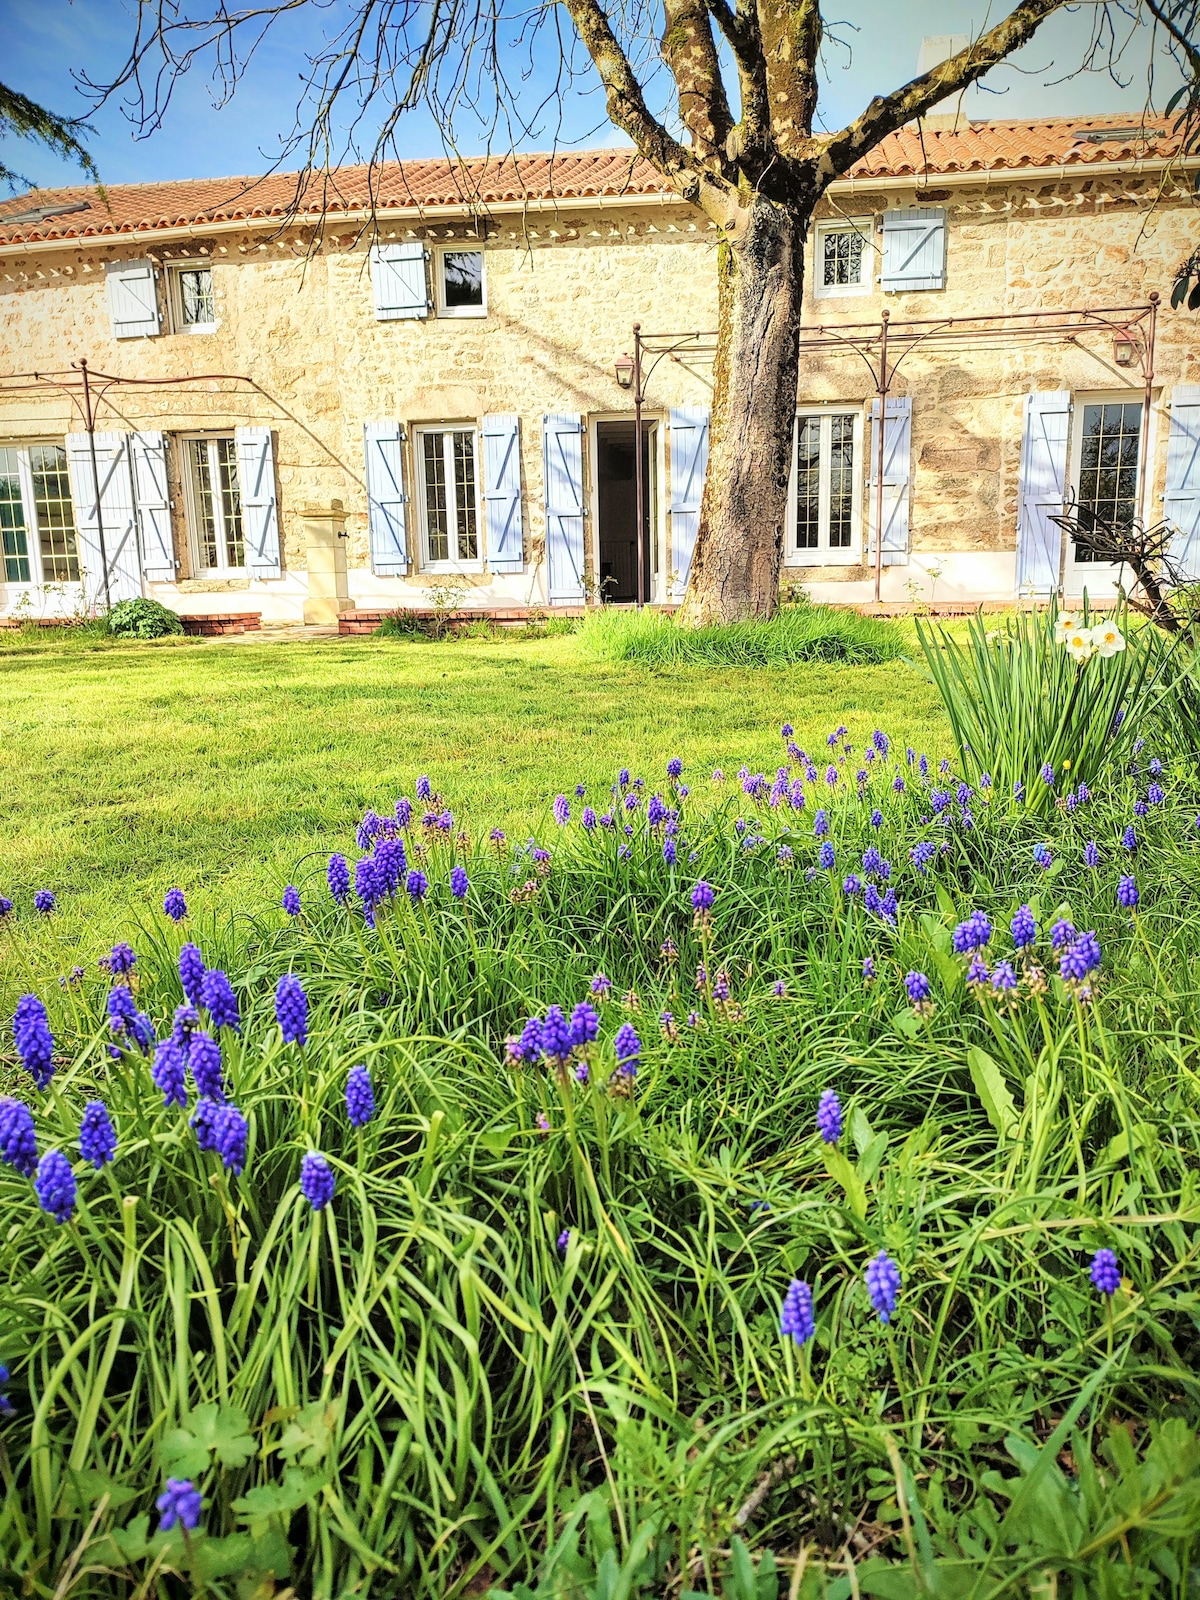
(1107, 639)
(1066, 625)
(1080, 644)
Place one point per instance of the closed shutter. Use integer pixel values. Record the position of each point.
(106, 532)
(897, 475)
(152, 504)
(914, 248)
(260, 514)
(562, 438)
(387, 503)
(689, 463)
(1181, 500)
(133, 299)
(1042, 490)
(502, 493)
(398, 280)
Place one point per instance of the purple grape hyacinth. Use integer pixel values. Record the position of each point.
(218, 999)
(338, 878)
(180, 1504)
(883, 1285)
(191, 972)
(1105, 1272)
(169, 1073)
(826, 857)
(18, 1140)
(1024, 927)
(829, 1116)
(55, 1186)
(628, 1049)
(97, 1136)
(34, 1041)
(44, 901)
(360, 1097)
(459, 882)
(1128, 894)
(585, 1025)
(563, 1241)
(229, 1133)
(175, 905)
(972, 934)
(417, 884)
(919, 988)
(291, 900)
(702, 897)
(121, 959)
(1091, 854)
(1042, 856)
(317, 1181)
(796, 1318)
(291, 1009)
(204, 1059)
(1129, 838)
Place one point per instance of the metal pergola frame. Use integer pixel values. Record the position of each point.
(876, 344)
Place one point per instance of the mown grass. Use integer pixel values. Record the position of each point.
(126, 769)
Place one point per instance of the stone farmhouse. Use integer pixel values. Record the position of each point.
(303, 406)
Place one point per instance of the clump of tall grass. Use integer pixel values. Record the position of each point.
(795, 634)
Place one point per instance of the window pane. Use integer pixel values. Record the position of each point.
(841, 256)
(14, 534)
(808, 479)
(196, 296)
(841, 481)
(464, 496)
(55, 514)
(1108, 464)
(231, 503)
(437, 524)
(462, 278)
(206, 509)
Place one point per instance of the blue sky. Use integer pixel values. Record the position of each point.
(46, 43)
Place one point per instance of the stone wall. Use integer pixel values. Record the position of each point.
(563, 292)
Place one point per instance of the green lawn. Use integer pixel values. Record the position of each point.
(220, 766)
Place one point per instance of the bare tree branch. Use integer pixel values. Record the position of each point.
(690, 53)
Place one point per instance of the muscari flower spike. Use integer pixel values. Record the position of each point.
(97, 1136)
(459, 882)
(121, 960)
(175, 905)
(360, 1096)
(317, 1181)
(338, 878)
(1024, 927)
(883, 1285)
(55, 1186)
(796, 1317)
(1128, 894)
(44, 902)
(180, 1504)
(291, 900)
(169, 1072)
(33, 1039)
(291, 1009)
(218, 999)
(564, 1240)
(829, 1116)
(18, 1141)
(191, 972)
(627, 1047)
(204, 1059)
(1105, 1272)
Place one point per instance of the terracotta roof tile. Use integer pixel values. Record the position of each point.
(192, 202)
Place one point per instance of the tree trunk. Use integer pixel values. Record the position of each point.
(739, 546)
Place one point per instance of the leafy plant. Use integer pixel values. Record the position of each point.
(142, 619)
(798, 633)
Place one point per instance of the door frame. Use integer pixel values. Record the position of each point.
(657, 422)
(1102, 579)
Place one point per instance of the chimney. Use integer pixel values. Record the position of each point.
(935, 48)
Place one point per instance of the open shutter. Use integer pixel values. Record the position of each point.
(260, 515)
(152, 504)
(132, 299)
(914, 248)
(1181, 500)
(387, 503)
(689, 462)
(398, 279)
(562, 438)
(897, 474)
(106, 530)
(1042, 490)
(502, 493)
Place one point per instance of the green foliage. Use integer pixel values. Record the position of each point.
(797, 634)
(1016, 699)
(23, 118)
(142, 619)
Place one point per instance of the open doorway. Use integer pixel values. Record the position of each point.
(616, 508)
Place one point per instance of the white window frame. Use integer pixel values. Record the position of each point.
(844, 291)
(1100, 578)
(417, 434)
(175, 297)
(192, 504)
(823, 555)
(33, 533)
(466, 248)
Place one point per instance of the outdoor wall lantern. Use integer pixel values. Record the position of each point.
(623, 366)
(1124, 350)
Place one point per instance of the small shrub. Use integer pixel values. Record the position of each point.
(142, 619)
(798, 633)
(403, 624)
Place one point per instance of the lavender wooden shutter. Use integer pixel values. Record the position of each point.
(562, 440)
(1042, 490)
(112, 515)
(260, 517)
(689, 463)
(897, 474)
(398, 281)
(387, 503)
(1181, 499)
(502, 493)
(152, 504)
(132, 299)
(914, 248)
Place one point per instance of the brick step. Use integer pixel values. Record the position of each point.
(365, 620)
(38, 622)
(213, 624)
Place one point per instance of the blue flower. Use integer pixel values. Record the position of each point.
(97, 1136)
(44, 902)
(291, 1009)
(601, 984)
(1042, 856)
(5, 907)
(877, 818)
(852, 885)
(1105, 1272)
(563, 1241)
(316, 1180)
(1047, 773)
(1154, 794)
(417, 884)
(1091, 854)
(919, 988)
(796, 1318)
(883, 1285)
(360, 1097)
(218, 999)
(191, 972)
(1127, 892)
(1004, 979)
(403, 809)
(7, 1409)
(880, 740)
(1061, 933)
(179, 1503)
(562, 810)
(55, 1186)
(18, 1141)
(825, 856)
(229, 1134)
(674, 768)
(702, 897)
(1024, 927)
(169, 1073)
(868, 969)
(972, 934)
(820, 824)
(921, 854)
(291, 900)
(829, 1116)
(459, 882)
(34, 1041)
(175, 905)
(391, 859)
(338, 878)
(585, 1025)
(204, 1059)
(628, 1048)
(529, 1045)
(669, 852)
(121, 960)
(424, 788)
(556, 1035)
(1129, 838)
(588, 818)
